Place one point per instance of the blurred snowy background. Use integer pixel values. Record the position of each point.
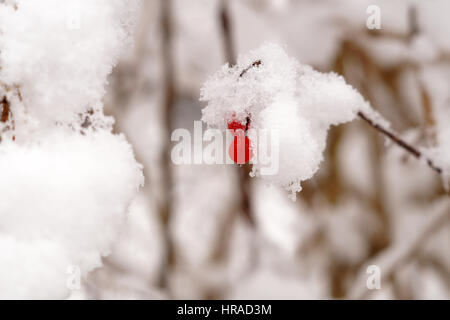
(189, 233)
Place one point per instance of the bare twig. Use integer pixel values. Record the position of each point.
(168, 104)
(244, 170)
(227, 32)
(4, 103)
(6, 113)
(413, 21)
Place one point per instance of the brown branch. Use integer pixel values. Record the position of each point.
(5, 109)
(392, 259)
(244, 170)
(169, 97)
(400, 142)
(227, 36)
(255, 64)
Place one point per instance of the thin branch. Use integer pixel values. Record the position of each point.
(400, 142)
(392, 259)
(5, 109)
(227, 36)
(255, 64)
(244, 170)
(168, 105)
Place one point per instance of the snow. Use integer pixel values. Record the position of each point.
(61, 70)
(283, 96)
(54, 60)
(67, 181)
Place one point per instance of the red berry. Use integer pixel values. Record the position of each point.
(240, 150)
(234, 125)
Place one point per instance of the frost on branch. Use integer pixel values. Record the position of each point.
(66, 180)
(280, 94)
(437, 82)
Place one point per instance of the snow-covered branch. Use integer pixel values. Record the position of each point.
(380, 128)
(399, 141)
(67, 180)
(300, 104)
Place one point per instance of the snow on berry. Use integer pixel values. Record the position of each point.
(280, 94)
